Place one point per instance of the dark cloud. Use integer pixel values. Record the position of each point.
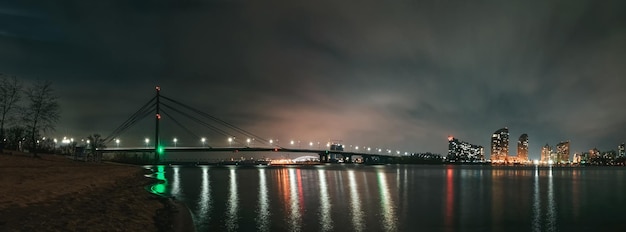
(401, 74)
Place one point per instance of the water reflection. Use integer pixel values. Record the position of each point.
(387, 205)
(449, 214)
(536, 222)
(176, 182)
(294, 217)
(204, 202)
(355, 204)
(551, 217)
(263, 212)
(325, 219)
(160, 187)
(233, 203)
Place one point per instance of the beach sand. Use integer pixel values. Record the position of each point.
(54, 193)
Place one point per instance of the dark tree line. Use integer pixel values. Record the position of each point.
(26, 113)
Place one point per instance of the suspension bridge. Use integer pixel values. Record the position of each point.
(161, 105)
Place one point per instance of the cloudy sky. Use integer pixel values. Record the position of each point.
(394, 74)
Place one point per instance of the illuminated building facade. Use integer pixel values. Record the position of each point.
(594, 153)
(522, 148)
(562, 152)
(546, 151)
(577, 158)
(500, 145)
(621, 150)
(463, 151)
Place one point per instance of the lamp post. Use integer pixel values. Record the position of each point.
(248, 142)
(203, 140)
(230, 141)
(117, 142)
(175, 141)
(147, 142)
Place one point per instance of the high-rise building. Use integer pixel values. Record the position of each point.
(522, 148)
(594, 154)
(500, 145)
(545, 153)
(562, 152)
(621, 150)
(464, 151)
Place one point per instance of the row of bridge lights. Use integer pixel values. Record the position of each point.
(272, 141)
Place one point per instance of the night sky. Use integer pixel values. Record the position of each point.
(394, 74)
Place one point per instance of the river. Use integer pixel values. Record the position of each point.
(398, 197)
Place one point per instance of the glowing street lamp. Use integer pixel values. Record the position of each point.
(311, 144)
(291, 142)
(147, 142)
(248, 141)
(175, 141)
(203, 140)
(230, 141)
(117, 142)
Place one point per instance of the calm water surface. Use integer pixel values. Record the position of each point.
(398, 197)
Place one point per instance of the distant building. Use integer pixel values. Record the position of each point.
(522, 148)
(562, 152)
(621, 152)
(500, 145)
(545, 153)
(594, 153)
(464, 151)
(577, 158)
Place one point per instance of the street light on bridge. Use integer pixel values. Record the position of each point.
(203, 140)
(117, 142)
(230, 141)
(147, 142)
(248, 141)
(291, 142)
(175, 141)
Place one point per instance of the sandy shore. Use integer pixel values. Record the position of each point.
(53, 193)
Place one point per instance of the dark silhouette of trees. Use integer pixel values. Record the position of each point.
(95, 141)
(41, 112)
(10, 89)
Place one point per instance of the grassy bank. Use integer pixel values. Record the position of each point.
(53, 193)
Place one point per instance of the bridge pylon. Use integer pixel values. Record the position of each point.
(156, 131)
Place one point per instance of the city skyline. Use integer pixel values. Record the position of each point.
(398, 75)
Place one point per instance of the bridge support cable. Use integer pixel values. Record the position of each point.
(222, 122)
(211, 127)
(144, 111)
(179, 124)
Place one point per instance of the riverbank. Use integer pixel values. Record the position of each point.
(53, 193)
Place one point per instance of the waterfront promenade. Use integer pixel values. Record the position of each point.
(53, 193)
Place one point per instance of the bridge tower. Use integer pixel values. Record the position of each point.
(156, 133)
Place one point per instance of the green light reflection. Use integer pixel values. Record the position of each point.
(160, 187)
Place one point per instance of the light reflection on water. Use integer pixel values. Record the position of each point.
(233, 202)
(294, 216)
(389, 216)
(263, 212)
(204, 210)
(355, 203)
(325, 219)
(425, 198)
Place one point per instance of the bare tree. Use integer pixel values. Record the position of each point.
(41, 112)
(96, 141)
(9, 95)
